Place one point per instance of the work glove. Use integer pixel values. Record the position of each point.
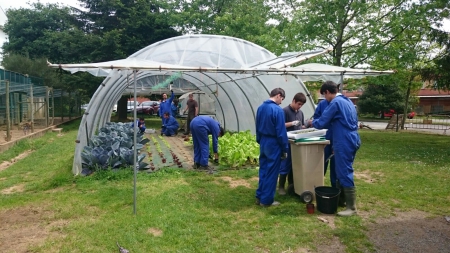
(296, 122)
(284, 155)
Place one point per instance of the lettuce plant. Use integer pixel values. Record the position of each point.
(238, 149)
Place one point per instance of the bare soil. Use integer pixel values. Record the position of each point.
(18, 132)
(27, 227)
(4, 165)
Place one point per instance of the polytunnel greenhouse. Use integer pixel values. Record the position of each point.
(236, 74)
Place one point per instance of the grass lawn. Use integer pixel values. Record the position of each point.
(186, 211)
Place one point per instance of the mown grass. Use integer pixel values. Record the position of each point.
(185, 211)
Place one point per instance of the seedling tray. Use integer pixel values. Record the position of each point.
(306, 133)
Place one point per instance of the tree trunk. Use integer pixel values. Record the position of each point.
(405, 109)
(122, 108)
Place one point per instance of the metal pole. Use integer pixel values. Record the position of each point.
(8, 120)
(46, 106)
(135, 150)
(87, 134)
(32, 107)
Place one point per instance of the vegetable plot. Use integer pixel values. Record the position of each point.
(237, 149)
(112, 148)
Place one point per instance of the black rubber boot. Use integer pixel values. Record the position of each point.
(281, 183)
(341, 202)
(350, 197)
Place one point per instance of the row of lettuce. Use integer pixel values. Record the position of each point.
(113, 148)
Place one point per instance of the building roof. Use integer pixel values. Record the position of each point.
(433, 93)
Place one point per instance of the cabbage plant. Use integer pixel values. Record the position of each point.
(112, 148)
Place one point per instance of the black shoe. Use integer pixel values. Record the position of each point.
(201, 167)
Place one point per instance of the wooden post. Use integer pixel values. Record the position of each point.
(8, 120)
(62, 106)
(46, 106)
(32, 107)
(70, 106)
(53, 106)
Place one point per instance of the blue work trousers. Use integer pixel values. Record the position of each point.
(269, 168)
(327, 153)
(344, 157)
(201, 144)
(286, 164)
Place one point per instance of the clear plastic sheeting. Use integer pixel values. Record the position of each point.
(235, 74)
(206, 105)
(323, 72)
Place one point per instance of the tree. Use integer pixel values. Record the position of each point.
(45, 31)
(358, 30)
(124, 26)
(439, 71)
(257, 21)
(379, 98)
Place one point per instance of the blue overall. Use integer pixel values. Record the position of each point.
(289, 116)
(170, 126)
(201, 127)
(174, 110)
(165, 106)
(272, 138)
(140, 125)
(328, 150)
(341, 116)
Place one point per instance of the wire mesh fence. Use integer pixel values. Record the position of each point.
(436, 122)
(25, 101)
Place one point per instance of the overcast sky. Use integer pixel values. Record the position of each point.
(5, 4)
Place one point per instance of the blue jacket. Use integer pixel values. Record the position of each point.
(342, 118)
(171, 122)
(270, 123)
(165, 106)
(211, 126)
(318, 112)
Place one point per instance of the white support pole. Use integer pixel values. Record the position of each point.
(135, 165)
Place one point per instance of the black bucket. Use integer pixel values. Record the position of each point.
(327, 199)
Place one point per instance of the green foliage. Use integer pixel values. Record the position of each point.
(238, 149)
(439, 72)
(125, 26)
(380, 98)
(359, 30)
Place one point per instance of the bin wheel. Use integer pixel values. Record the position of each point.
(306, 197)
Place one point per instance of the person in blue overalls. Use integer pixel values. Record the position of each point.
(170, 125)
(165, 105)
(340, 116)
(201, 127)
(141, 125)
(294, 120)
(328, 151)
(273, 143)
